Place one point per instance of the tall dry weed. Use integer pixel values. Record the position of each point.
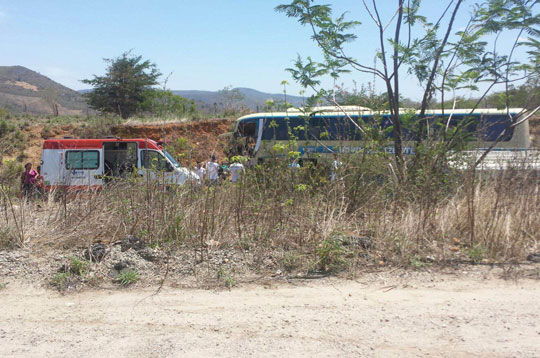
(279, 208)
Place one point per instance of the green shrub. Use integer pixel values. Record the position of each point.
(78, 267)
(7, 238)
(10, 173)
(331, 255)
(61, 280)
(127, 277)
(417, 262)
(476, 253)
(5, 128)
(291, 262)
(227, 279)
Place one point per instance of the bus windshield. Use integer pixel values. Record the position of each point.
(174, 162)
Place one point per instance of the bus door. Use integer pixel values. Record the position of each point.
(249, 132)
(83, 167)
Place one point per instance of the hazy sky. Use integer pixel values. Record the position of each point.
(206, 44)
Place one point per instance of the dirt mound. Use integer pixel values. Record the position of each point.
(198, 140)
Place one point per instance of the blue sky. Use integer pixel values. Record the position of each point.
(206, 44)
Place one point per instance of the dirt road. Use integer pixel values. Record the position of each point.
(437, 316)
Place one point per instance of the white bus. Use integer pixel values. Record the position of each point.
(328, 130)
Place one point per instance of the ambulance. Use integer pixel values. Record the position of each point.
(89, 164)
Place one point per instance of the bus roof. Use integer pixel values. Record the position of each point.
(356, 110)
(70, 143)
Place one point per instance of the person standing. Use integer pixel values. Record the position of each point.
(223, 171)
(28, 179)
(39, 183)
(212, 169)
(336, 165)
(236, 170)
(200, 171)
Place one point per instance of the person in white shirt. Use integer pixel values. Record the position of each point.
(200, 171)
(212, 170)
(236, 170)
(336, 165)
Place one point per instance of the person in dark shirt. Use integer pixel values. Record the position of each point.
(28, 180)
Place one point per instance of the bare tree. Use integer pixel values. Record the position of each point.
(50, 97)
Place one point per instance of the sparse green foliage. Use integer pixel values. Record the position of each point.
(122, 89)
(7, 238)
(180, 149)
(239, 159)
(476, 253)
(5, 128)
(331, 255)
(441, 58)
(11, 137)
(230, 99)
(417, 262)
(164, 103)
(78, 266)
(230, 282)
(227, 279)
(11, 170)
(127, 277)
(291, 262)
(61, 280)
(269, 105)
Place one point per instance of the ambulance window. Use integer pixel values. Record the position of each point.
(82, 159)
(152, 159)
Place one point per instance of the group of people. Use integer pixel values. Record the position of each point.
(213, 172)
(31, 181)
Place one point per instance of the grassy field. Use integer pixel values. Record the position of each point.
(291, 221)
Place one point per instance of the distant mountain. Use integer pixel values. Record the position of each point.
(252, 99)
(24, 90)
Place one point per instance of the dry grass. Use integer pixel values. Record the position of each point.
(300, 214)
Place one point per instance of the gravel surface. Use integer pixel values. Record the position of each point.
(183, 267)
(395, 313)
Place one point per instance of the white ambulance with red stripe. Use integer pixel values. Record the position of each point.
(82, 164)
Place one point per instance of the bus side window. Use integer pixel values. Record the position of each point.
(275, 129)
(492, 126)
(318, 129)
(298, 128)
(345, 130)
